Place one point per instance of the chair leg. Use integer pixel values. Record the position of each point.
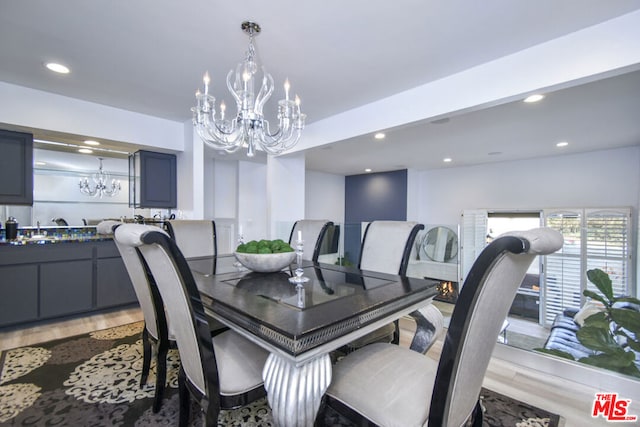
(396, 333)
(184, 399)
(161, 374)
(477, 415)
(146, 357)
(211, 415)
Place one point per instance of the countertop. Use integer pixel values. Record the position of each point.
(52, 235)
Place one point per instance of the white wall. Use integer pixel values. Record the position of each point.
(225, 183)
(33, 108)
(325, 196)
(595, 179)
(252, 200)
(285, 193)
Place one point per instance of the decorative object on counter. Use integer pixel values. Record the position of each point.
(53, 234)
(249, 128)
(265, 256)
(104, 185)
(299, 279)
(60, 221)
(11, 228)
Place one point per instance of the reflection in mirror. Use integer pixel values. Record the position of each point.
(57, 194)
(440, 244)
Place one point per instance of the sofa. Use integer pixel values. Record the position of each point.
(565, 326)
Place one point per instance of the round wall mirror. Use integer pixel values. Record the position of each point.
(440, 244)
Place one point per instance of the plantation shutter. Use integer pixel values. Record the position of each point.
(593, 238)
(474, 238)
(562, 279)
(608, 233)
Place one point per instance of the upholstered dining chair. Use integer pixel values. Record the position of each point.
(220, 372)
(386, 248)
(313, 232)
(156, 337)
(444, 392)
(196, 238)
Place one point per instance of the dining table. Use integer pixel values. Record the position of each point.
(301, 324)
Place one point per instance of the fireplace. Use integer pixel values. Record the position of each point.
(447, 291)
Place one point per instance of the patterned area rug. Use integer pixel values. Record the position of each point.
(93, 380)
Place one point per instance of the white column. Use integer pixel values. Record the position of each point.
(252, 200)
(190, 166)
(285, 193)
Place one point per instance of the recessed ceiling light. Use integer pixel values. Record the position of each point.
(367, 170)
(534, 98)
(85, 151)
(58, 68)
(562, 144)
(91, 142)
(379, 135)
(447, 160)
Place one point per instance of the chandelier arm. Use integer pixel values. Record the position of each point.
(220, 142)
(231, 87)
(265, 92)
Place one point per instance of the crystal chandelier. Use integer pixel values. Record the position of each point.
(104, 185)
(249, 128)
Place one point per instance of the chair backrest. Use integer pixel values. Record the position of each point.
(182, 302)
(477, 319)
(313, 232)
(195, 237)
(150, 303)
(386, 246)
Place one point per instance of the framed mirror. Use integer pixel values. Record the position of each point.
(440, 244)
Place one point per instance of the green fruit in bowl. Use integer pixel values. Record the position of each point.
(264, 247)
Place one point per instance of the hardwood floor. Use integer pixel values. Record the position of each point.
(571, 400)
(42, 332)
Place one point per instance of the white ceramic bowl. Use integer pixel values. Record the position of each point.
(265, 263)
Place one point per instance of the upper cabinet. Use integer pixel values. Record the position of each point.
(16, 168)
(152, 180)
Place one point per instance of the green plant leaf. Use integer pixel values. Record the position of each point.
(631, 370)
(602, 281)
(628, 299)
(615, 362)
(598, 320)
(597, 338)
(626, 318)
(597, 297)
(632, 343)
(555, 352)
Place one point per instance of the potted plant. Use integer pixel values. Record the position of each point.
(612, 333)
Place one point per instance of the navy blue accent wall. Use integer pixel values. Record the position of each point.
(369, 197)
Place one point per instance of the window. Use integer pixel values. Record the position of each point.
(593, 238)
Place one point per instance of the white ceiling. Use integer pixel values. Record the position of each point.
(149, 57)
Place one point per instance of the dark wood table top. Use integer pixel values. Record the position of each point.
(335, 302)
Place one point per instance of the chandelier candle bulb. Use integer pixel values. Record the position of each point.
(287, 86)
(299, 235)
(206, 81)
